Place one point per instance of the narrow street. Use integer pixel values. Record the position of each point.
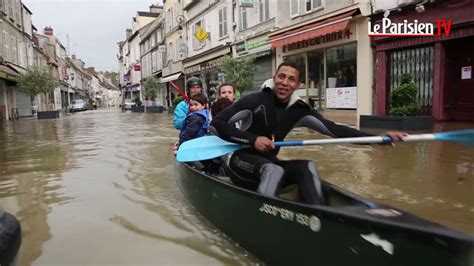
(98, 187)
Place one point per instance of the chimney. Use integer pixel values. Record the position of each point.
(128, 33)
(73, 56)
(91, 70)
(156, 9)
(48, 31)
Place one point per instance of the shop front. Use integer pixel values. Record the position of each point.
(170, 81)
(206, 67)
(441, 66)
(327, 53)
(261, 49)
(8, 78)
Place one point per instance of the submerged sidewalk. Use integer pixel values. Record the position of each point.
(346, 117)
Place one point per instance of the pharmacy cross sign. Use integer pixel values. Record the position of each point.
(201, 34)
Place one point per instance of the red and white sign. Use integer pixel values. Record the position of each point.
(136, 67)
(64, 72)
(413, 28)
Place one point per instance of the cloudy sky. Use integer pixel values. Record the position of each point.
(94, 26)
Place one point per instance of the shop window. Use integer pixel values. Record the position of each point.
(300, 61)
(294, 8)
(419, 63)
(341, 65)
(316, 84)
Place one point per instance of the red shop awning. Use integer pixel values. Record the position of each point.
(316, 29)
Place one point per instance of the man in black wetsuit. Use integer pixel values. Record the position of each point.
(274, 112)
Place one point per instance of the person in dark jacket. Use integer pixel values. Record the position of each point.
(274, 112)
(196, 122)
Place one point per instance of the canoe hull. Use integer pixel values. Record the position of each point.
(281, 232)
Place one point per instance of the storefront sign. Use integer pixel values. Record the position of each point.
(341, 97)
(192, 69)
(332, 37)
(466, 72)
(240, 47)
(211, 63)
(204, 66)
(64, 72)
(246, 3)
(183, 48)
(406, 28)
(263, 53)
(4, 75)
(257, 44)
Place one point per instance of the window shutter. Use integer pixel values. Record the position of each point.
(221, 30)
(316, 3)
(267, 9)
(224, 24)
(294, 8)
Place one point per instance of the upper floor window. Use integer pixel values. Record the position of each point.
(169, 19)
(312, 5)
(223, 22)
(294, 8)
(13, 49)
(10, 9)
(263, 10)
(18, 10)
(243, 18)
(196, 42)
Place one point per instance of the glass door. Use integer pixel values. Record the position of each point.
(315, 81)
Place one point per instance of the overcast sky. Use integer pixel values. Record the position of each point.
(94, 26)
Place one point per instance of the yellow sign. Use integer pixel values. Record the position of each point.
(201, 34)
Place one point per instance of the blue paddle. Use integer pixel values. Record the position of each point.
(209, 147)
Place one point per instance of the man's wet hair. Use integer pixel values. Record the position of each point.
(290, 64)
(199, 97)
(219, 105)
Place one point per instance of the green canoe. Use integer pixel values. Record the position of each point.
(347, 231)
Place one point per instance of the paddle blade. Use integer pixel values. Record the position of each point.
(460, 136)
(205, 148)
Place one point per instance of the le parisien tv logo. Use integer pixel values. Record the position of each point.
(410, 29)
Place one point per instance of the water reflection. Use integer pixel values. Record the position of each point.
(434, 180)
(31, 163)
(98, 187)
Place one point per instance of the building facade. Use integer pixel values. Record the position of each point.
(254, 23)
(210, 36)
(329, 41)
(440, 65)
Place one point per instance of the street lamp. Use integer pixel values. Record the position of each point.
(181, 20)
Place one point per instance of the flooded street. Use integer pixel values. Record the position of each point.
(98, 187)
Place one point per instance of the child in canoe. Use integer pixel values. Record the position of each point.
(197, 121)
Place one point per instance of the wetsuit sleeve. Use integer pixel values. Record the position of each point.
(193, 125)
(339, 131)
(228, 131)
(180, 114)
